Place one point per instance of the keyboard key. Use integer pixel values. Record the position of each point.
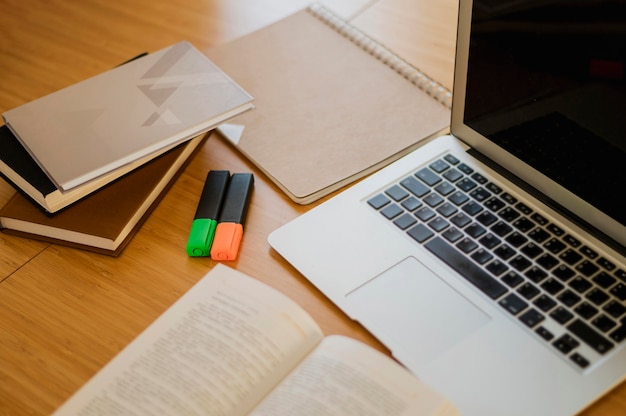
(615, 309)
(453, 175)
(619, 291)
(547, 261)
(544, 302)
(566, 343)
(439, 166)
(486, 218)
(603, 323)
(480, 194)
(475, 230)
(597, 296)
(513, 303)
(605, 280)
(427, 176)
(535, 274)
(563, 272)
(587, 268)
(501, 228)
(479, 178)
(451, 159)
(570, 256)
(554, 246)
(452, 234)
(466, 245)
(446, 209)
(528, 290)
(391, 211)
(590, 336)
(492, 187)
(606, 264)
(580, 284)
(561, 315)
(523, 208)
(505, 252)
(489, 240)
(420, 233)
(532, 318)
(539, 219)
(466, 184)
(458, 198)
(552, 286)
(572, 241)
(411, 204)
(586, 310)
(512, 279)
(569, 298)
(445, 188)
(405, 221)
(415, 187)
(619, 334)
(472, 208)
(378, 201)
(532, 250)
(465, 169)
(520, 263)
(473, 273)
(438, 224)
(509, 214)
(481, 256)
(544, 333)
(460, 220)
(556, 230)
(397, 193)
(539, 235)
(588, 252)
(524, 224)
(497, 267)
(433, 199)
(509, 198)
(516, 239)
(424, 213)
(580, 360)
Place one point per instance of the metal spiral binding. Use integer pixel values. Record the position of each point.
(408, 71)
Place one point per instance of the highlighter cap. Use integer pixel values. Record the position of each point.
(237, 198)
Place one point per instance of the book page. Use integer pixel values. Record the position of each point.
(217, 351)
(344, 377)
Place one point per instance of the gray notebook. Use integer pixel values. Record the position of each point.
(135, 110)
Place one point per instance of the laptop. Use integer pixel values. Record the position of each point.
(491, 262)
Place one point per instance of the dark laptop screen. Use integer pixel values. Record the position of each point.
(547, 82)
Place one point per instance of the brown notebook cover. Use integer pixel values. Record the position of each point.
(105, 221)
(331, 104)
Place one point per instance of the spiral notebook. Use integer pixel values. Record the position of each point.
(331, 104)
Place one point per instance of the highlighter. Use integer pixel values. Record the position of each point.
(229, 229)
(205, 220)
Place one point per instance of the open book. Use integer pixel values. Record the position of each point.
(235, 346)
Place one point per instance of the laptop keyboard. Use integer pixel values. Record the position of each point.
(566, 293)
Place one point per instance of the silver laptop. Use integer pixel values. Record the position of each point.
(491, 262)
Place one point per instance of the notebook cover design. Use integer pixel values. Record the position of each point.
(141, 108)
(331, 104)
(91, 224)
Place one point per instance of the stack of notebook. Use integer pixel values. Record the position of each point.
(91, 160)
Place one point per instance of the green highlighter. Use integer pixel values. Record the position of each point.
(205, 219)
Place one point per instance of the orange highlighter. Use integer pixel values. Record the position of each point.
(229, 229)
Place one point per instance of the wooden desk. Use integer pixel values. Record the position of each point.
(64, 313)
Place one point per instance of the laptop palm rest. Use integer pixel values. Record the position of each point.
(446, 317)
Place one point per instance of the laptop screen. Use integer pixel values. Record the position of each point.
(546, 82)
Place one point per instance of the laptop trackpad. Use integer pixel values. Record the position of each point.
(414, 313)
